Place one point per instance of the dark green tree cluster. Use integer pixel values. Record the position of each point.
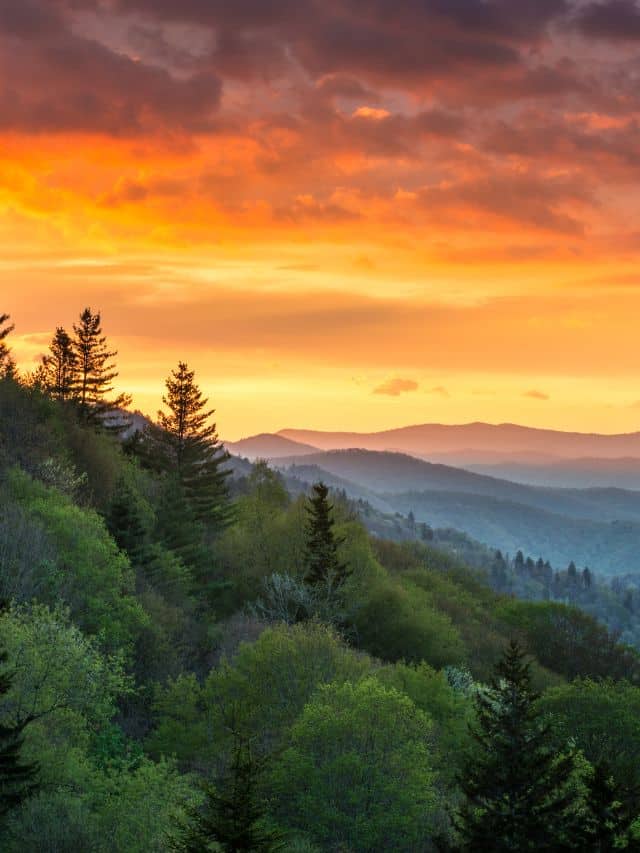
(233, 816)
(18, 779)
(521, 792)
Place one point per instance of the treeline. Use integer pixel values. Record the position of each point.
(197, 660)
(614, 601)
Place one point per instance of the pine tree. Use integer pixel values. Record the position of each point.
(186, 443)
(233, 817)
(517, 788)
(7, 364)
(95, 374)
(57, 374)
(609, 813)
(323, 567)
(17, 779)
(178, 529)
(126, 524)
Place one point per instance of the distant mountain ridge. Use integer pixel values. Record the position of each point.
(268, 445)
(599, 527)
(505, 439)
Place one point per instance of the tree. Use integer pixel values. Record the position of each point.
(186, 443)
(17, 779)
(519, 562)
(57, 373)
(234, 817)
(357, 773)
(323, 565)
(7, 364)
(517, 787)
(126, 524)
(95, 374)
(609, 816)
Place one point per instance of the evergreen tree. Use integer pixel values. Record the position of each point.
(186, 443)
(7, 364)
(517, 788)
(57, 373)
(177, 527)
(609, 813)
(323, 567)
(233, 817)
(95, 374)
(17, 779)
(126, 524)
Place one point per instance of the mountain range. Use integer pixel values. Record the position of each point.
(560, 507)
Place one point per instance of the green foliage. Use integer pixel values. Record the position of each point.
(17, 778)
(450, 710)
(569, 641)
(31, 426)
(323, 565)
(258, 694)
(357, 771)
(397, 621)
(88, 572)
(519, 793)
(233, 816)
(602, 718)
(185, 443)
(130, 810)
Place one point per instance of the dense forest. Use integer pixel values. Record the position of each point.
(196, 655)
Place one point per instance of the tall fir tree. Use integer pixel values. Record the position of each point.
(232, 816)
(126, 524)
(611, 811)
(178, 529)
(17, 778)
(95, 374)
(323, 566)
(58, 372)
(7, 364)
(517, 788)
(185, 443)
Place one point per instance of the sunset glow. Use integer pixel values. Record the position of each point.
(342, 215)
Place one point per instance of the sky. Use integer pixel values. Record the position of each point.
(343, 214)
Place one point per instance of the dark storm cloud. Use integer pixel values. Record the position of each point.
(55, 80)
(617, 20)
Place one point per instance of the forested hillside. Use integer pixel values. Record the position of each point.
(599, 526)
(194, 657)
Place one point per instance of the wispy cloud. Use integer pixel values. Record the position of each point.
(440, 390)
(536, 395)
(395, 387)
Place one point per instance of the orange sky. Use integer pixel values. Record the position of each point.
(341, 218)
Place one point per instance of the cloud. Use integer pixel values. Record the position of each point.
(395, 387)
(440, 390)
(56, 80)
(615, 20)
(536, 395)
